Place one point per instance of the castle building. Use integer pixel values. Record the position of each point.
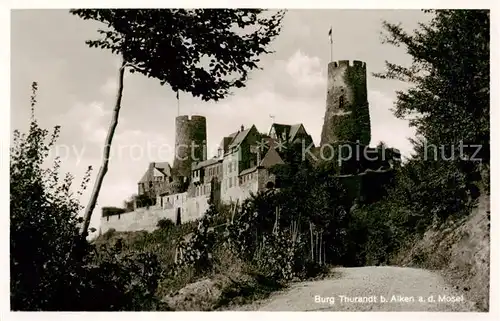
(182, 192)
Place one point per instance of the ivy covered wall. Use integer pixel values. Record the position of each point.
(347, 116)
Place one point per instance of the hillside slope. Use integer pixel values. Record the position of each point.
(461, 251)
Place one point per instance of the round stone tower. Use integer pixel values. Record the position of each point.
(190, 143)
(347, 117)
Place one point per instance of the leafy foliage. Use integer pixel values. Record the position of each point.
(450, 74)
(46, 272)
(448, 104)
(205, 52)
(273, 234)
(200, 51)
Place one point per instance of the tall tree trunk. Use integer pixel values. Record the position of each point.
(320, 253)
(107, 148)
(312, 241)
(324, 252)
(317, 246)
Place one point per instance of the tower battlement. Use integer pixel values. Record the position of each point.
(347, 63)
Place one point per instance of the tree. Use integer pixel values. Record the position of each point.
(449, 101)
(203, 52)
(43, 230)
(43, 219)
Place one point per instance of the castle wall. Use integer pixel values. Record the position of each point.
(142, 219)
(146, 218)
(347, 116)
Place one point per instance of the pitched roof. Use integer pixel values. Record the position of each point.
(206, 163)
(240, 137)
(294, 129)
(271, 158)
(280, 129)
(162, 167)
(248, 170)
(290, 131)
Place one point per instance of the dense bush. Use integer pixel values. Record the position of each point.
(448, 104)
(51, 267)
(282, 239)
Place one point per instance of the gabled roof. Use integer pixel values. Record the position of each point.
(280, 129)
(294, 129)
(240, 137)
(271, 158)
(290, 131)
(162, 167)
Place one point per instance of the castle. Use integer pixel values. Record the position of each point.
(182, 192)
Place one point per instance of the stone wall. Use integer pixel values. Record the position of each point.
(142, 219)
(146, 218)
(248, 185)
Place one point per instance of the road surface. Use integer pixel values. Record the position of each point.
(370, 289)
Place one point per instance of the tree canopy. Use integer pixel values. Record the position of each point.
(450, 74)
(205, 52)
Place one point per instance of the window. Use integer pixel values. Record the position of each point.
(229, 167)
(341, 102)
(230, 182)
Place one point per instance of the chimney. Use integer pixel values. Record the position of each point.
(242, 128)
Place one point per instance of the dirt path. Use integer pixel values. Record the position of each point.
(362, 289)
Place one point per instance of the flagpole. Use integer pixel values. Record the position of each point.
(331, 50)
(178, 105)
(331, 43)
